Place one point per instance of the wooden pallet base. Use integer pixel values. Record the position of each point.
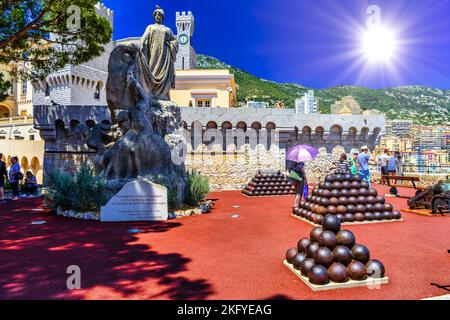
(333, 285)
(348, 223)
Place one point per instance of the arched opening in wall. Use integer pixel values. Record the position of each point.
(270, 127)
(241, 125)
(211, 125)
(196, 134)
(73, 124)
(98, 89)
(5, 112)
(376, 134)
(226, 128)
(352, 132)
(335, 133)
(319, 132)
(306, 134)
(90, 124)
(364, 134)
(60, 129)
(35, 165)
(184, 125)
(24, 164)
(256, 126)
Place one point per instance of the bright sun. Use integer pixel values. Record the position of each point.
(379, 44)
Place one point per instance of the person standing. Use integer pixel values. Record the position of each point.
(15, 176)
(3, 178)
(383, 161)
(297, 174)
(364, 159)
(399, 164)
(354, 163)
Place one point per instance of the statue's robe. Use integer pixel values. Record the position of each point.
(154, 67)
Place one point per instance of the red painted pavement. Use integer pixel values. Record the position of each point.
(206, 257)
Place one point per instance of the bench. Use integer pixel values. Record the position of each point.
(402, 178)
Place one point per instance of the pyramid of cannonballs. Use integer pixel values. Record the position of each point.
(269, 183)
(349, 198)
(332, 255)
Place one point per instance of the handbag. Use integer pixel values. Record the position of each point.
(295, 176)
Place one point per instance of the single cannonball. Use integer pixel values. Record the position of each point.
(349, 217)
(353, 193)
(328, 239)
(329, 178)
(331, 210)
(337, 185)
(319, 192)
(334, 201)
(348, 177)
(342, 254)
(321, 185)
(325, 202)
(326, 194)
(373, 192)
(335, 193)
(357, 177)
(311, 248)
(377, 216)
(363, 192)
(328, 185)
(338, 273)
(314, 208)
(315, 233)
(344, 193)
(340, 217)
(346, 185)
(302, 244)
(318, 275)
(356, 185)
(360, 208)
(387, 215)
(359, 217)
(351, 208)
(357, 271)
(362, 200)
(321, 210)
(371, 200)
(298, 259)
(319, 219)
(379, 207)
(360, 253)
(343, 201)
(314, 192)
(295, 211)
(341, 209)
(396, 215)
(290, 254)
(324, 256)
(352, 200)
(306, 265)
(364, 184)
(388, 207)
(370, 207)
(369, 216)
(340, 177)
(381, 199)
(375, 269)
(346, 238)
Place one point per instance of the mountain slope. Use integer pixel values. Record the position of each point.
(422, 104)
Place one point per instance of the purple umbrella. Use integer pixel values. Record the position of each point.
(301, 153)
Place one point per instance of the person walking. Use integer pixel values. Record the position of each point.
(3, 178)
(383, 161)
(298, 176)
(15, 176)
(364, 159)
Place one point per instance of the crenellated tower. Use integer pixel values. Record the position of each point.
(186, 57)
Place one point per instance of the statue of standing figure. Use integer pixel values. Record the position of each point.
(154, 67)
(140, 77)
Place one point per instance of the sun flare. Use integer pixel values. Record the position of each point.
(379, 44)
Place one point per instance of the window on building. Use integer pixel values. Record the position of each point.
(23, 113)
(31, 137)
(204, 103)
(47, 90)
(19, 138)
(97, 91)
(24, 87)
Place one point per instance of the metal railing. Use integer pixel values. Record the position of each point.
(437, 169)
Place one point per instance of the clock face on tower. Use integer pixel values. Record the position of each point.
(183, 39)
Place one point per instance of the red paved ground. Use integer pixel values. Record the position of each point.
(206, 257)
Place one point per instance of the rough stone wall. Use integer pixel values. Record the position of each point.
(233, 169)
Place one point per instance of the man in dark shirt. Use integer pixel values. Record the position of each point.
(3, 177)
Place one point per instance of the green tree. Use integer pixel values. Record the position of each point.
(4, 87)
(38, 37)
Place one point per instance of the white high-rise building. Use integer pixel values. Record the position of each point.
(186, 56)
(307, 104)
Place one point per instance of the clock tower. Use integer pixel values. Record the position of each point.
(186, 57)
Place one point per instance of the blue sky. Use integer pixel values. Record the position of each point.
(314, 43)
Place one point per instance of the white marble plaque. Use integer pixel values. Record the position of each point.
(139, 200)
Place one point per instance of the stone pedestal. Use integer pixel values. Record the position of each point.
(139, 200)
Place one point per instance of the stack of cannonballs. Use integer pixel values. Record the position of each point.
(269, 183)
(332, 255)
(349, 198)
